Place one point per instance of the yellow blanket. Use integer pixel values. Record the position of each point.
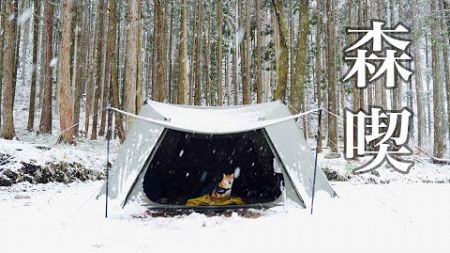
(206, 200)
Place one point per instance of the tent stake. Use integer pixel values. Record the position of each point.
(108, 140)
(315, 162)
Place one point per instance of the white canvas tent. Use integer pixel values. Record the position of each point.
(144, 150)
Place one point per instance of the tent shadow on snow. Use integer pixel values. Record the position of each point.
(174, 153)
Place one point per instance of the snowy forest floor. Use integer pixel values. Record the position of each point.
(395, 217)
(375, 212)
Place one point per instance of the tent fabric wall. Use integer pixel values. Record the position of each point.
(134, 152)
(297, 157)
(126, 174)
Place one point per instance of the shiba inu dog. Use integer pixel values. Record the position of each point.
(223, 189)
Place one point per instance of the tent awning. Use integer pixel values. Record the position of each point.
(216, 120)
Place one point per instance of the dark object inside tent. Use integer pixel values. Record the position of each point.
(187, 165)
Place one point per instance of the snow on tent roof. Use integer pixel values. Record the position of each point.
(215, 120)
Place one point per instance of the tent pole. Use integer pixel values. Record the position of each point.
(315, 162)
(108, 140)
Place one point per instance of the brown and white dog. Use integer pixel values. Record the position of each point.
(223, 189)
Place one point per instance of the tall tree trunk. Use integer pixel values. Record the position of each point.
(41, 58)
(106, 86)
(245, 61)
(8, 131)
(197, 49)
(259, 85)
(297, 96)
(16, 45)
(282, 52)
(81, 66)
(291, 28)
(208, 60)
(219, 89)
(36, 26)
(438, 148)
(80, 63)
(100, 56)
(111, 69)
(65, 105)
(169, 88)
(445, 21)
(45, 125)
(418, 78)
(428, 89)
(332, 121)
(23, 63)
(182, 57)
(235, 76)
(235, 56)
(130, 63)
(245, 56)
(90, 72)
(158, 87)
(357, 92)
(140, 66)
(1, 58)
(190, 92)
(227, 81)
(318, 70)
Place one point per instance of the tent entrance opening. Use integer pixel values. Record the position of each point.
(187, 165)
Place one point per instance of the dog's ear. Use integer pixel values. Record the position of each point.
(223, 175)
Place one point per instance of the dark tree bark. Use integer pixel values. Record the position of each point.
(36, 27)
(282, 64)
(45, 125)
(259, 84)
(208, 60)
(8, 131)
(197, 53)
(418, 80)
(245, 53)
(219, 88)
(65, 101)
(332, 121)
(100, 57)
(1, 58)
(438, 148)
(90, 70)
(158, 86)
(182, 72)
(297, 96)
(130, 63)
(318, 68)
(139, 66)
(81, 62)
(111, 69)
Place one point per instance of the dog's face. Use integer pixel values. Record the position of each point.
(227, 181)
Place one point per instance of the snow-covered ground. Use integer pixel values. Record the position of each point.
(41, 150)
(365, 218)
(423, 171)
(379, 212)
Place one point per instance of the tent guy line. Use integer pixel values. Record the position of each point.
(263, 124)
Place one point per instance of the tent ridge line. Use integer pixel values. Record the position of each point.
(263, 124)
